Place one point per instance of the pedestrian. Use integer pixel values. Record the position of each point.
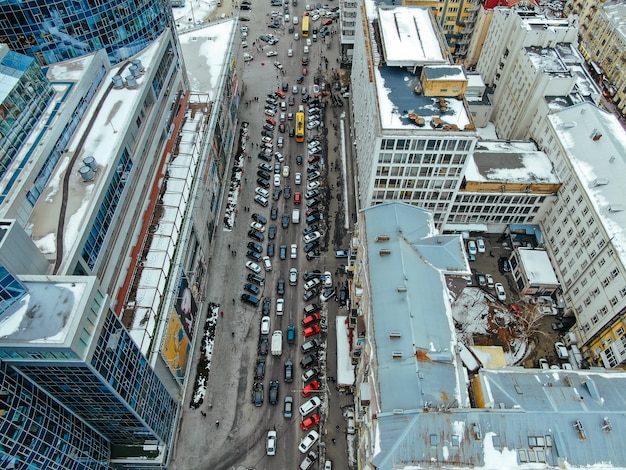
(229, 246)
(233, 301)
(217, 423)
(221, 313)
(337, 428)
(232, 334)
(203, 413)
(334, 440)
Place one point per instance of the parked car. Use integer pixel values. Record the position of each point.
(305, 377)
(265, 325)
(500, 292)
(311, 330)
(260, 369)
(561, 350)
(294, 251)
(270, 444)
(254, 290)
(293, 276)
(250, 299)
(280, 286)
(288, 371)
(263, 345)
(273, 399)
(480, 245)
(310, 388)
(311, 345)
(252, 266)
(309, 422)
(257, 396)
(327, 294)
(308, 360)
(307, 441)
(471, 247)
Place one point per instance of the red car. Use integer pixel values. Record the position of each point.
(327, 21)
(307, 390)
(271, 121)
(311, 421)
(280, 93)
(311, 330)
(311, 319)
(314, 158)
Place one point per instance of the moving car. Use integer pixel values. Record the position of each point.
(280, 286)
(288, 407)
(280, 306)
(270, 445)
(293, 276)
(294, 251)
(265, 325)
(288, 371)
(260, 369)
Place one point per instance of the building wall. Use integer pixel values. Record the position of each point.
(36, 431)
(348, 19)
(57, 30)
(22, 105)
(480, 29)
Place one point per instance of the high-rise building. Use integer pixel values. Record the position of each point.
(62, 337)
(57, 30)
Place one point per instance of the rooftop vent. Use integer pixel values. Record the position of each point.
(612, 159)
(131, 82)
(595, 135)
(381, 238)
(134, 70)
(397, 354)
(401, 288)
(599, 182)
(91, 162)
(581, 429)
(606, 424)
(86, 173)
(138, 63)
(395, 334)
(384, 252)
(118, 81)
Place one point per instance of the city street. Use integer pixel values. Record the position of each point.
(228, 431)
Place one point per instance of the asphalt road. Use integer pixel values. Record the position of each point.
(239, 440)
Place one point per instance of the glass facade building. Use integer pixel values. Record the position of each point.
(56, 30)
(24, 94)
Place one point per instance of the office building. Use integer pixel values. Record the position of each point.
(57, 30)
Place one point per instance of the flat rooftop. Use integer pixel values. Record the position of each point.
(397, 98)
(47, 316)
(409, 37)
(537, 266)
(510, 162)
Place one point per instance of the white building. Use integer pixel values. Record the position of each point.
(584, 227)
(347, 29)
(533, 66)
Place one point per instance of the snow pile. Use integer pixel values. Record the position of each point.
(206, 353)
(235, 180)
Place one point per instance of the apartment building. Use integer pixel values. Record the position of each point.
(348, 22)
(583, 226)
(456, 18)
(532, 65)
(603, 44)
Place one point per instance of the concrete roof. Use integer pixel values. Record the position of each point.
(417, 361)
(537, 266)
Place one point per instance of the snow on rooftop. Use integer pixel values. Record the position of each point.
(599, 164)
(345, 370)
(509, 162)
(206, 53)
(96, 135)
(409, 37)
(44, 315)
(70, 70)
(537, 266)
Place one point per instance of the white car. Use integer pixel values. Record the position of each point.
(328, 465)
(298, 178)
(280, 142)
(313, 176)
(266, 140)
(279, 66)
(252, 266)
(293, 276)
(280, 306)
(327, 294)
(310, 237)
(286, 171)
(277, 180)
(480, 243)
(279, 157)
(328, 279)
(471, 247)
(315, 17)
(290, 53)
(311, 283)
(267, 263)
(262, 192)
(312, 125)
(294, 251)
(307, 441)
(490, 282)
(265, 325)
(257, 226)
(313, 185)
(270, 446)
(561, 350)
(271, 53)
(247, 57)
(500, 292)
(310, 405)
(308, 41)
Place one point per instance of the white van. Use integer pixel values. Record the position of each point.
(306, 49)
(296, 36)
(295, 20)
(267, 263)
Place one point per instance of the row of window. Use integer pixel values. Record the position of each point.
(423, 158)
(460, 145)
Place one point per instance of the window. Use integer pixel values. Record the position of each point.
(613, 301)
(619, 331)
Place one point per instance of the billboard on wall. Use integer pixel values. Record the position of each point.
(176, 347)
(186, 306)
